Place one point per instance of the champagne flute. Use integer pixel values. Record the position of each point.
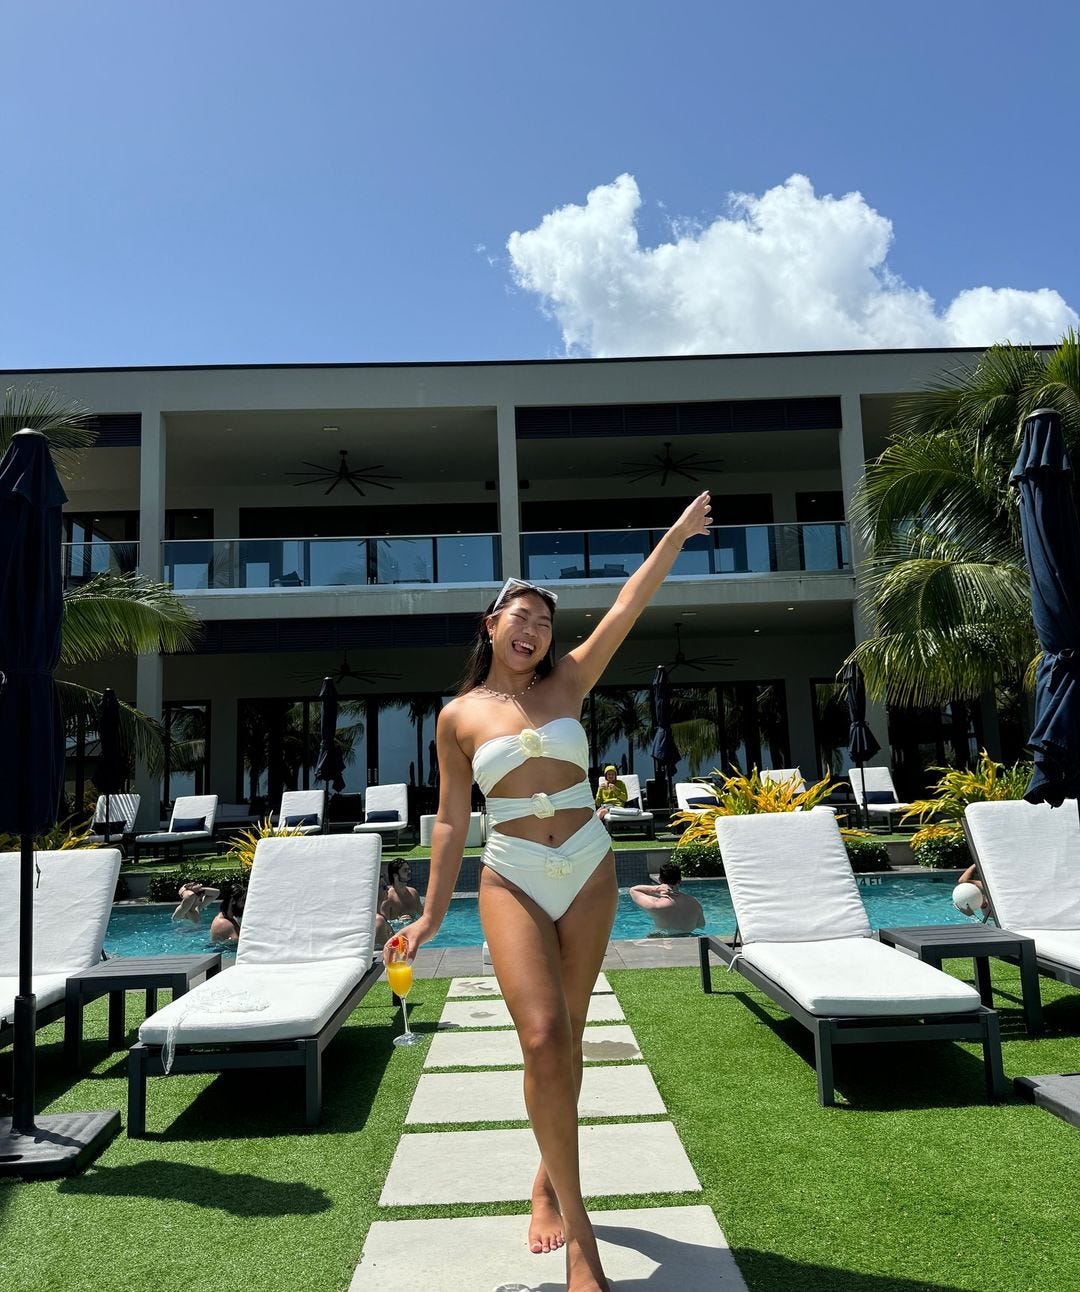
(399, 975)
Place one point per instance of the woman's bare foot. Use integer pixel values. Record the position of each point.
(545, 1225)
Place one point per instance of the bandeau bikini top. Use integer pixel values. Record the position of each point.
(561, 738)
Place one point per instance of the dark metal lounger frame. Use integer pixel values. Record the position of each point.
(1048, 968)
(302, 1052)
(830, 1030)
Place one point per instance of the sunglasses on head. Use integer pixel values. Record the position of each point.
(513, 586)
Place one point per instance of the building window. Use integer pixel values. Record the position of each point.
(831, 726)
(277, 745)
(186, 726)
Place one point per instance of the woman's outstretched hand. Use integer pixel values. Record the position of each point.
(695, 519)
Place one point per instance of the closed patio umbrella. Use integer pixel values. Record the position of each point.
(1051, 531)
(32, 775)
(330, 765)
(664, 751)
(862, 744)
(110, 773)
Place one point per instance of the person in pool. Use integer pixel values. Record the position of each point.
(399, 899)
(193, 900)
(672, 911)
(547, 880)
(225, 926)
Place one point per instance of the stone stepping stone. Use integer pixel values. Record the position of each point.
(455, 1167)
(666, 1249)
(448, 1097)
(493, 1049)
(494, 1013)
(489, 986)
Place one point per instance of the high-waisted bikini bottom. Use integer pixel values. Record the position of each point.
(552, 877)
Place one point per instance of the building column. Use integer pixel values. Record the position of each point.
(852, 470)
(149, 694)
(509, 519)
(151, 493)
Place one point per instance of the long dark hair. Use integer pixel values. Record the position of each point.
(478, 663)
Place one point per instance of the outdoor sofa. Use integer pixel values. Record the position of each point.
(303, 962)
(73, 897)
(807, 944)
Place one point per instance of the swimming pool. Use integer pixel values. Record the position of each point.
(890, 900)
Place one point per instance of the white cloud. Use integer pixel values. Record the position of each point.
(784, 271)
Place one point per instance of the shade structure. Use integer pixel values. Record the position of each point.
(862, 744)
(664, 751)
(32, 774)
(110, 773)
(330, 765)
(1051, 531)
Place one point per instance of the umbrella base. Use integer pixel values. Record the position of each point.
(1058, 1094)
(60, 1145)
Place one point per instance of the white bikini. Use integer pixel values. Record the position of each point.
(552, 877)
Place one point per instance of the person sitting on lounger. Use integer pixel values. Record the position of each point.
(193, 899)
(672, 911)
(400, 899)
(611, 792)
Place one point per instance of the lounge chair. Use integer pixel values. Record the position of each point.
(301, 968)
(122, 809)
(880, 798)
(777, 775)
(73, 897)
(386, 810)
(1029, 862)
(192, 821)
(633, 814)
(807, 944)
(299, 807)
(693, 796)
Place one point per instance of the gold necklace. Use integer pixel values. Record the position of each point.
(508, 695)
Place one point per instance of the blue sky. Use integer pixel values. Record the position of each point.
(235, 182)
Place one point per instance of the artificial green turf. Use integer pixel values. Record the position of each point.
(916, 1183)
(226, 1192)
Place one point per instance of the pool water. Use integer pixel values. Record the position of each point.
(889, 901)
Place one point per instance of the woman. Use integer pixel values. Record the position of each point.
(547, 885)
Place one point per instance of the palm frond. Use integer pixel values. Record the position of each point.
(141, 736)
(63, 420)
(124, 614)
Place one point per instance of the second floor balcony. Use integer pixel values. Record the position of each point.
(252, 564)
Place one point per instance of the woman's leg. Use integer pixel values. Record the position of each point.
(527, 956)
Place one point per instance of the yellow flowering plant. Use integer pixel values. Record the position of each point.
(743, 795)
(243, 844)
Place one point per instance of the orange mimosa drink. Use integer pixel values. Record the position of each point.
(399, 976)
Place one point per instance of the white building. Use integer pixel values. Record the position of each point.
(561, 472)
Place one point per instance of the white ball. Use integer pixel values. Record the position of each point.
(968, 898)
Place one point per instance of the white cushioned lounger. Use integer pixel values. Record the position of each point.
(72, 903)
(303, 803)
(301, 967)
(385, 798)
(193, 807)
(808, 944)
(1029, 862)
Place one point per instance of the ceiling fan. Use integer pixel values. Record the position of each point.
(699, 663)
(346, 673)
(343, 474)
(664, 465)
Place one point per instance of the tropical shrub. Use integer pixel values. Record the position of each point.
(242, 846)
(943, 813)
(941, 849)
(70, 833)
(165, 887)
(698, 857)
(865, 854)
(741, 795)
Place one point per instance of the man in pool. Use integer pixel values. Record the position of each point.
(193, 898)
(401, 899)
(671, 910)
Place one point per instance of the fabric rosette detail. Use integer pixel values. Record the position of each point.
(542, 806)
(558, 867)
(532, 743)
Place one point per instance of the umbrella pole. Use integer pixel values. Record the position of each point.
(865, 809)
(22, 1119)
(326, 807)
(107, 796)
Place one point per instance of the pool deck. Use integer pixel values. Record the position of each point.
(642, 953)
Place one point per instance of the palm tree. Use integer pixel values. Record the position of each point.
(111, 614)
(944, 578)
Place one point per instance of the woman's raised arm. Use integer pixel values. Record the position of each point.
(592, 656)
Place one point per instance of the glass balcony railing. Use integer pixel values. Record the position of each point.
(85, 561)
(726, 549)
(233, 563)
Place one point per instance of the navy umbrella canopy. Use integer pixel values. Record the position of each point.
(32, 775)
(330, 766)
(1051, 531)
(665, 752)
